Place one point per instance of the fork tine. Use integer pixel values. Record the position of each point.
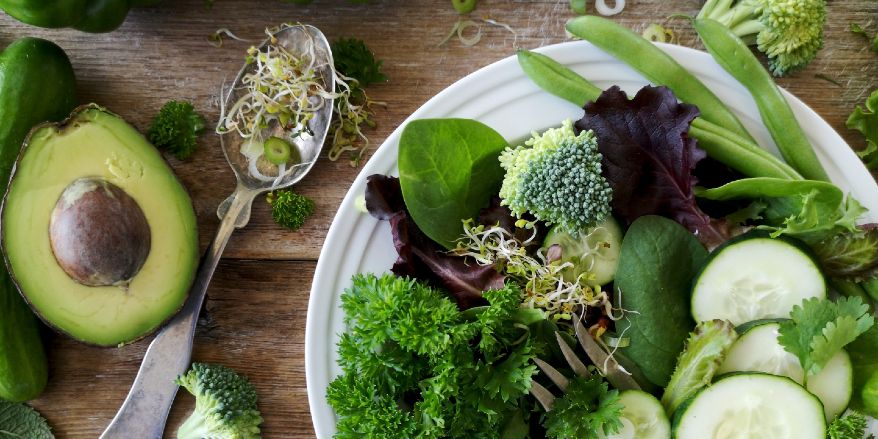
(545, 397)
(571, 357)
(559, 379)
(606, 364)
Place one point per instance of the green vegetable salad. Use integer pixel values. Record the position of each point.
(643, 270)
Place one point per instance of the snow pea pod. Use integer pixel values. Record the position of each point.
(736, 58)
(657, 66)
(721, 144)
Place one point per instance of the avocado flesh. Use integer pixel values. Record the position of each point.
(96, 143)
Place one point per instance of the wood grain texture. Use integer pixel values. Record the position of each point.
(257, 308)
(254, 322)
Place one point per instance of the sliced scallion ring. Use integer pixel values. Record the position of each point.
(278, 151)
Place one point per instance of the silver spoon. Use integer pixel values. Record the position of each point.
(145, 410)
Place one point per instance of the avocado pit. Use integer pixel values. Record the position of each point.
(98, 233)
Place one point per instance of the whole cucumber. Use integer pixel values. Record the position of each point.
(37, 84)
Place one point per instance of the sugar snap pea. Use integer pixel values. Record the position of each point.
(657, 66)
(721, 144)
(736, 58)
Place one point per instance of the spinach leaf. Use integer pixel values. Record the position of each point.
(658, 260)
(448, 170)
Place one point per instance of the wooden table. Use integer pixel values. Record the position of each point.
(256, 306)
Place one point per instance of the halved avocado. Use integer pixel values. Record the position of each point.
(99, 235)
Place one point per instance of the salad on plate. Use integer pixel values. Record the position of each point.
(644, 271)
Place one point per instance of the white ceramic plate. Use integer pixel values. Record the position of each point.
(501, 96)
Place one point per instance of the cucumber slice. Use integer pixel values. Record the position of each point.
(756, 277)
(278, 151)
(753, 406)
(757, 350)
(643, 417)
(594, 252)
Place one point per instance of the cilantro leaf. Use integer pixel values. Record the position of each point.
(21, 421)
(587, 409)
(819, 328)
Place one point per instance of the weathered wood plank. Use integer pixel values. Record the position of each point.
(255, 324)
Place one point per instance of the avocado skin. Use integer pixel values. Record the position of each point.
(37, 84)
(86, 15)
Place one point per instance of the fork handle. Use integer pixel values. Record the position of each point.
(145, 410)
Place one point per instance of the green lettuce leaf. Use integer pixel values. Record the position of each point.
(865, 120)
(705, 351)
(809, 210)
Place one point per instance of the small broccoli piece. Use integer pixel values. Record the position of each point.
(789, 32)
(289, 209)
(851, 426)
(556, 177)
(176, 128)
(225, 404)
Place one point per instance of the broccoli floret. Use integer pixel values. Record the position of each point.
(289, 209)
(176, 128)
(225, 404)
(556, 177)
(789, 32)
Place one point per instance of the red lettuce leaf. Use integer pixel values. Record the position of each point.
(648, 158)
(422, 258)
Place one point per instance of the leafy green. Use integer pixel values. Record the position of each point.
(355, 60)
(176, 128)
(704, 353)
(20, 421)
(819, 328)
(448, 171)
(807, 209)
(850, 255)
(289, 209)
(658, 260)
(851, 426)
(589, 409)
(864, 359)
(857, 29)
(865, 120)
(414, 366)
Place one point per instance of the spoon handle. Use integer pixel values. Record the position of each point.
(145, 410)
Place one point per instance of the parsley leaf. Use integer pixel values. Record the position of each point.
(819, 328)
(850, 426)
(415, 366)
(354, 59)
(587, 409)
(176, 128)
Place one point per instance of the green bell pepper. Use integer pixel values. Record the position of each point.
(84, 15)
